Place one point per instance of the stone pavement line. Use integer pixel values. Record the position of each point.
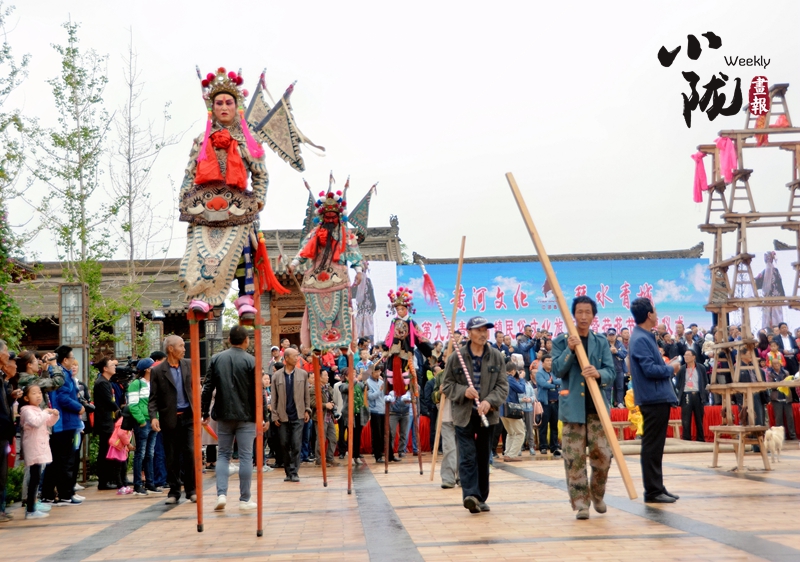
(387, 538)
(114, 532)
(744, 541)
(534, 540)
(744, 475)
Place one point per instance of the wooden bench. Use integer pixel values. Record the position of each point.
(620, 427)
(738, 436)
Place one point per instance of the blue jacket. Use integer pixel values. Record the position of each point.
(527, 348)
(572, 400)
(375, 396)
(515, 388)
(651, 377)
(530, 392)
(65, 400)
(543, 383)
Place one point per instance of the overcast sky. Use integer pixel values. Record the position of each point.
(438, 100)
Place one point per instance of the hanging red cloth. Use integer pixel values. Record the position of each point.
(208, 169)
(700, 179)
(266, 277)
(728, 161)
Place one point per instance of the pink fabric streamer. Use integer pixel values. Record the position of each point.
(700, 179)
(252, 146)
(727, 158)
(202, 155)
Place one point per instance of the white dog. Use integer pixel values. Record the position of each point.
(773, 439)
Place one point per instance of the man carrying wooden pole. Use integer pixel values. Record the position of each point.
(583, 367)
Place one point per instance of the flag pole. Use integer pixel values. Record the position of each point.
(591, 383)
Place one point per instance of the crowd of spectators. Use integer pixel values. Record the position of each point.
(47, 413)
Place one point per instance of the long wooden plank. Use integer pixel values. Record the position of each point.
(259, 388)
(194, 334)
(583, 360)
(449, 350)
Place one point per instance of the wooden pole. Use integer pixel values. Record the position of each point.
(415, 408)
(323, 450)
(583, 360)
(259, 413)
(386, 445)
(194, 334)
(351, 391)
(449, 350)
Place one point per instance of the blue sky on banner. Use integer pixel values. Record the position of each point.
(511, 294)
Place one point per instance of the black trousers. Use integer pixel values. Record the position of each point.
(656, 420)
(549, 419)
(179, 453)
(33, 487)
(474, 450)
(342, 443)
(291, 434)
(784, 416)
(692, 404)
(59, 474)
(376, 423)
(107, 470)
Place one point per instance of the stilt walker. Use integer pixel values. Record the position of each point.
(403, 339)
(351, 392)
(323, 443)
(222, 236)
(325, 253)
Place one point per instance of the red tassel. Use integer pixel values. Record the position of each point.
(266, 277)
(428, 289)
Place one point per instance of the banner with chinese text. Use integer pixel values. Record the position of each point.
(513, 294)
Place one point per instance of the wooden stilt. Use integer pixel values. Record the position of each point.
(194, 334)
(449, 350)
(415, 409)
(591, 384)
(320, 419)
(386, 444)
(351, 391)
(259, 414)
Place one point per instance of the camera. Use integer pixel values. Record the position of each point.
(125, 372)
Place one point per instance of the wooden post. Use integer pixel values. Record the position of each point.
(414, 387)
(194, 334)
(591, 384)
(386, 445)
(320, 419)
(351, 391)
(449, 350)
(259, 413)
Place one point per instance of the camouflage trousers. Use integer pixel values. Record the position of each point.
(575, 437)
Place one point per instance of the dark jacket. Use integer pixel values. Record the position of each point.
(427, 405)
(232, 374)
(652, 378)
(702, 381)
(163, 403)
(493, 384)
(106, 409)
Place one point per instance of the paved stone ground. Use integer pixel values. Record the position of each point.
(722, 515)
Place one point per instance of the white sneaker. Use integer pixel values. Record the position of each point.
(267, 468)
(222, 501)
(247, 506)
(233, 469)
(36, 515)
(77, 497)
(78, 488)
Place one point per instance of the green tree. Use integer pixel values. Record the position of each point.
(68, 162)
(12, 73)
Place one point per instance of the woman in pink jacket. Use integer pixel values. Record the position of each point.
(35, 443)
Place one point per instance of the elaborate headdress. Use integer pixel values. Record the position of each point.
(403, 297)
(331, 202)
(226, 83)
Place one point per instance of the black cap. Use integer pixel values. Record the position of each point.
(611, 331)
(478, 322)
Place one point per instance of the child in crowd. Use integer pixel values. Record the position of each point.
(119, 447)
(36, 444)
